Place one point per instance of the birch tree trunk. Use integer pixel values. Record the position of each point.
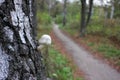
(19, 58)
(112, 11)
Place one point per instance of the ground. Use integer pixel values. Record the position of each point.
(93, 68)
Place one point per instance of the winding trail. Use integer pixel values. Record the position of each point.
(94, 69)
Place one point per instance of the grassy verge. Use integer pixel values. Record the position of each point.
(59, 67)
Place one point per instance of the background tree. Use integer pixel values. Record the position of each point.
(112, 9)
(89, 11)
(42, 5)
(19, 58)
(56, 9)
(76, 5)
(64, 12)
(116, 8)
(83, 18)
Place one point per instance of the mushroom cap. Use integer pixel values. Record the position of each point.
(45, 39)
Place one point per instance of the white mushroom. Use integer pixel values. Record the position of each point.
(45, 40)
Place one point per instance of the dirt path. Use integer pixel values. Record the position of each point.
(94, 69)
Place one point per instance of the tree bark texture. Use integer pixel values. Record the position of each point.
(83, 18)
(19, 58)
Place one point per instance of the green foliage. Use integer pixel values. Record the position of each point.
(73, 8)
(74, 24)
(117, 8)
(94, 29)
(91, 44)
(56, 9)
(43, 18)
(43, 29)
(59, 19)
(73, 15)
(109, 51)
(106, 28)
(60, 68)
(73, 21)
(98, 25)
(42, 5)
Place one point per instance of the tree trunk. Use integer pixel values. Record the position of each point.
(90, 11)
(64, 13)
(83, 18)
(112, 11)
(19, 58)
(49, 6)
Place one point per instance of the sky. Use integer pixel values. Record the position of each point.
(96, 2)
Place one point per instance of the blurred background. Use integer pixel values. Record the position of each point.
(94, 23)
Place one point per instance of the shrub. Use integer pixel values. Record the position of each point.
(74, 24)
(43, 18)
(59, 19)
(73, 21)
(108, 28)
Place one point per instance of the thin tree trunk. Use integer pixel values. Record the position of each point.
(90, 11)
(49, 6)
(19, 58)
(83, 18)
(64, 13)
(112, 11)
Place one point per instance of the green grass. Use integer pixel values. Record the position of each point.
(90, 44)
(109, 51)
(61, 69)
